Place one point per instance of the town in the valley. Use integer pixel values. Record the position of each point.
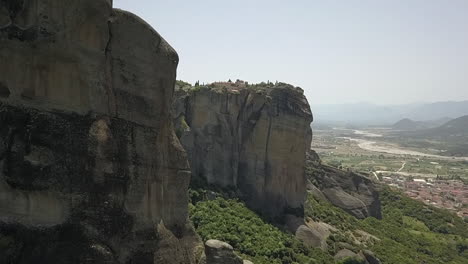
(435, 180)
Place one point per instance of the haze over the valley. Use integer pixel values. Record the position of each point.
(382, 52)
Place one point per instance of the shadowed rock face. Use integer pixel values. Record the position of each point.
(218, 252)
(350, 191)
(251, 139)
(90, 168)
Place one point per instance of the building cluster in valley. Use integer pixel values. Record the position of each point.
(448, 194)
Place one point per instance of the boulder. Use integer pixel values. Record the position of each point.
(346, 253)
(311, 237)
(338, 197)
(89, 161)
(370, 257)
(312, 234)
(316, 193)
(219, 252)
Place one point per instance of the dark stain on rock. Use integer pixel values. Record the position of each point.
(13, 32)
(4, 91)
(21, 245)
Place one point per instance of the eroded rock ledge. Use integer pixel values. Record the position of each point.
(90, 168)
(350, 191)
(251, 138)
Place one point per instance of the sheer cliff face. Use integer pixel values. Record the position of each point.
(90, 167)
(252, 139)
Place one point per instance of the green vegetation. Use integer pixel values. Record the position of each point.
(410, 232)
(182, 84)
(437, 220)
(230, 85)
(342, 153)
(231, 221)
(181, 126)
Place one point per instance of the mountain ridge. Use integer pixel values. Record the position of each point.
(373, 114)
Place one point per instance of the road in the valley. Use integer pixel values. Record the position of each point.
(402, 167)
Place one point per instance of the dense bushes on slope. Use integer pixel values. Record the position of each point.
(437, 220)
(410, 232)
(231, 221)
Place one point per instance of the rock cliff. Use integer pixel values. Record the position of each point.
(218, 252)
(350, 191)
(251, 138)
(90, 168)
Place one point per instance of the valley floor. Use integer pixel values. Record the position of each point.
(438, 180)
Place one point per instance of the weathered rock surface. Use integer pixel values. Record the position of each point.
(370, 257)
(219, 252)
(311, 233)
(90, 168)
(354, 193)
(249, 138)
(364, 256)
(346, 253)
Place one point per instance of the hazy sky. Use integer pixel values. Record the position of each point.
(382, 51)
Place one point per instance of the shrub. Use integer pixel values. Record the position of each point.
(231, 221)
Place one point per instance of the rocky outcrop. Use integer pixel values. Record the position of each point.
(90, 168)
(346, 253)
(352, 192)
(251, 138)
(219, 252)
(370, 257)
(363, 256)
(311, 233)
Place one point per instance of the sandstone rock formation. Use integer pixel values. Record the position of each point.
(370, 257)
(90, 168)
(219, 252)
(350, 191)
(311, 233)
(363, 256)
(249, 138)
(346, 253)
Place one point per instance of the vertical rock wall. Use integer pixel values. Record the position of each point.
(252, 139)
(90, 168)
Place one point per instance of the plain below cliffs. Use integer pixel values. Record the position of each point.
(251, 138)
(90, 168)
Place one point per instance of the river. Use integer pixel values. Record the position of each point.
(384, 148)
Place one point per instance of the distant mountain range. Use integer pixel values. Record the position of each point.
(457, 127)
(451, 137)
(410, 125)
(372, 114)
